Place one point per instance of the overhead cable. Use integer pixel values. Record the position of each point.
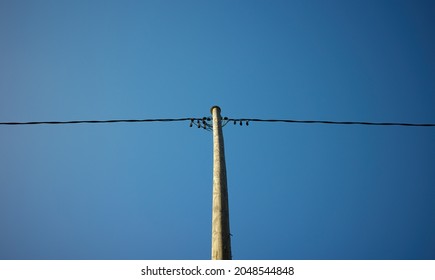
(95, 121)
(204, 122)
(246, 121)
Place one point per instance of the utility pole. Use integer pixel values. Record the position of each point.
(221, 238)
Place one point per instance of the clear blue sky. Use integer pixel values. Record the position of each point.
(143, 191)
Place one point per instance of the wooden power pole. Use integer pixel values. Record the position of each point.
(221, 238)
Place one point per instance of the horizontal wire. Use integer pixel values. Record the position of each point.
(98, 121)
(334, 122)
(246, 120)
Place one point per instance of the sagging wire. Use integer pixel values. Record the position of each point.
(201, 123)
(206, 123)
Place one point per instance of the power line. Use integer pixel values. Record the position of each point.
(204, 122)
(96, 121)
(246, 121)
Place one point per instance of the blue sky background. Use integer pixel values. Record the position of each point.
(143, 191)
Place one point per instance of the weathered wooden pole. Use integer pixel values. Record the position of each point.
(221, 238)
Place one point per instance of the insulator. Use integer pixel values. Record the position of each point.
(199, 124)
(225, 118)
(209, 119)
(235, 122)
(247, 123)
(241, 122)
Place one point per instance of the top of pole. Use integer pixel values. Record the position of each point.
(215, 107)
